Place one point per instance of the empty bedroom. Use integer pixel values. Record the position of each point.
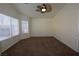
(39, 29)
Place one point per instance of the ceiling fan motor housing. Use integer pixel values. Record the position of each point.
(44, 8)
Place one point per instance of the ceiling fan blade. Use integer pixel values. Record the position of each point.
(38, 7)
(48, 7)
(37, 10)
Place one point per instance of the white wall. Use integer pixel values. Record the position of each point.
(78, 28)
(64, 25)
(9, 10)
(41, 27)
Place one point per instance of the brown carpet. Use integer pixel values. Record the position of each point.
(40, 46)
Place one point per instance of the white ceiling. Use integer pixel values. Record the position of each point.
(30, 9)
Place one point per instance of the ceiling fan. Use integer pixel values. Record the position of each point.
(44, 8)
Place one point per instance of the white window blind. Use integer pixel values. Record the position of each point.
(14, 27)
(25, 28)
(8, 27)
(5, 29)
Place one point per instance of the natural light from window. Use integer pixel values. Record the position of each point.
(8, 27)
(25, 26)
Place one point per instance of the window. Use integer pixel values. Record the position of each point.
(5, 29)
(14, 26)
(8, 27)
(24, 26)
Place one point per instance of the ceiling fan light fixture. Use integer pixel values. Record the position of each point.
(43, 10)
